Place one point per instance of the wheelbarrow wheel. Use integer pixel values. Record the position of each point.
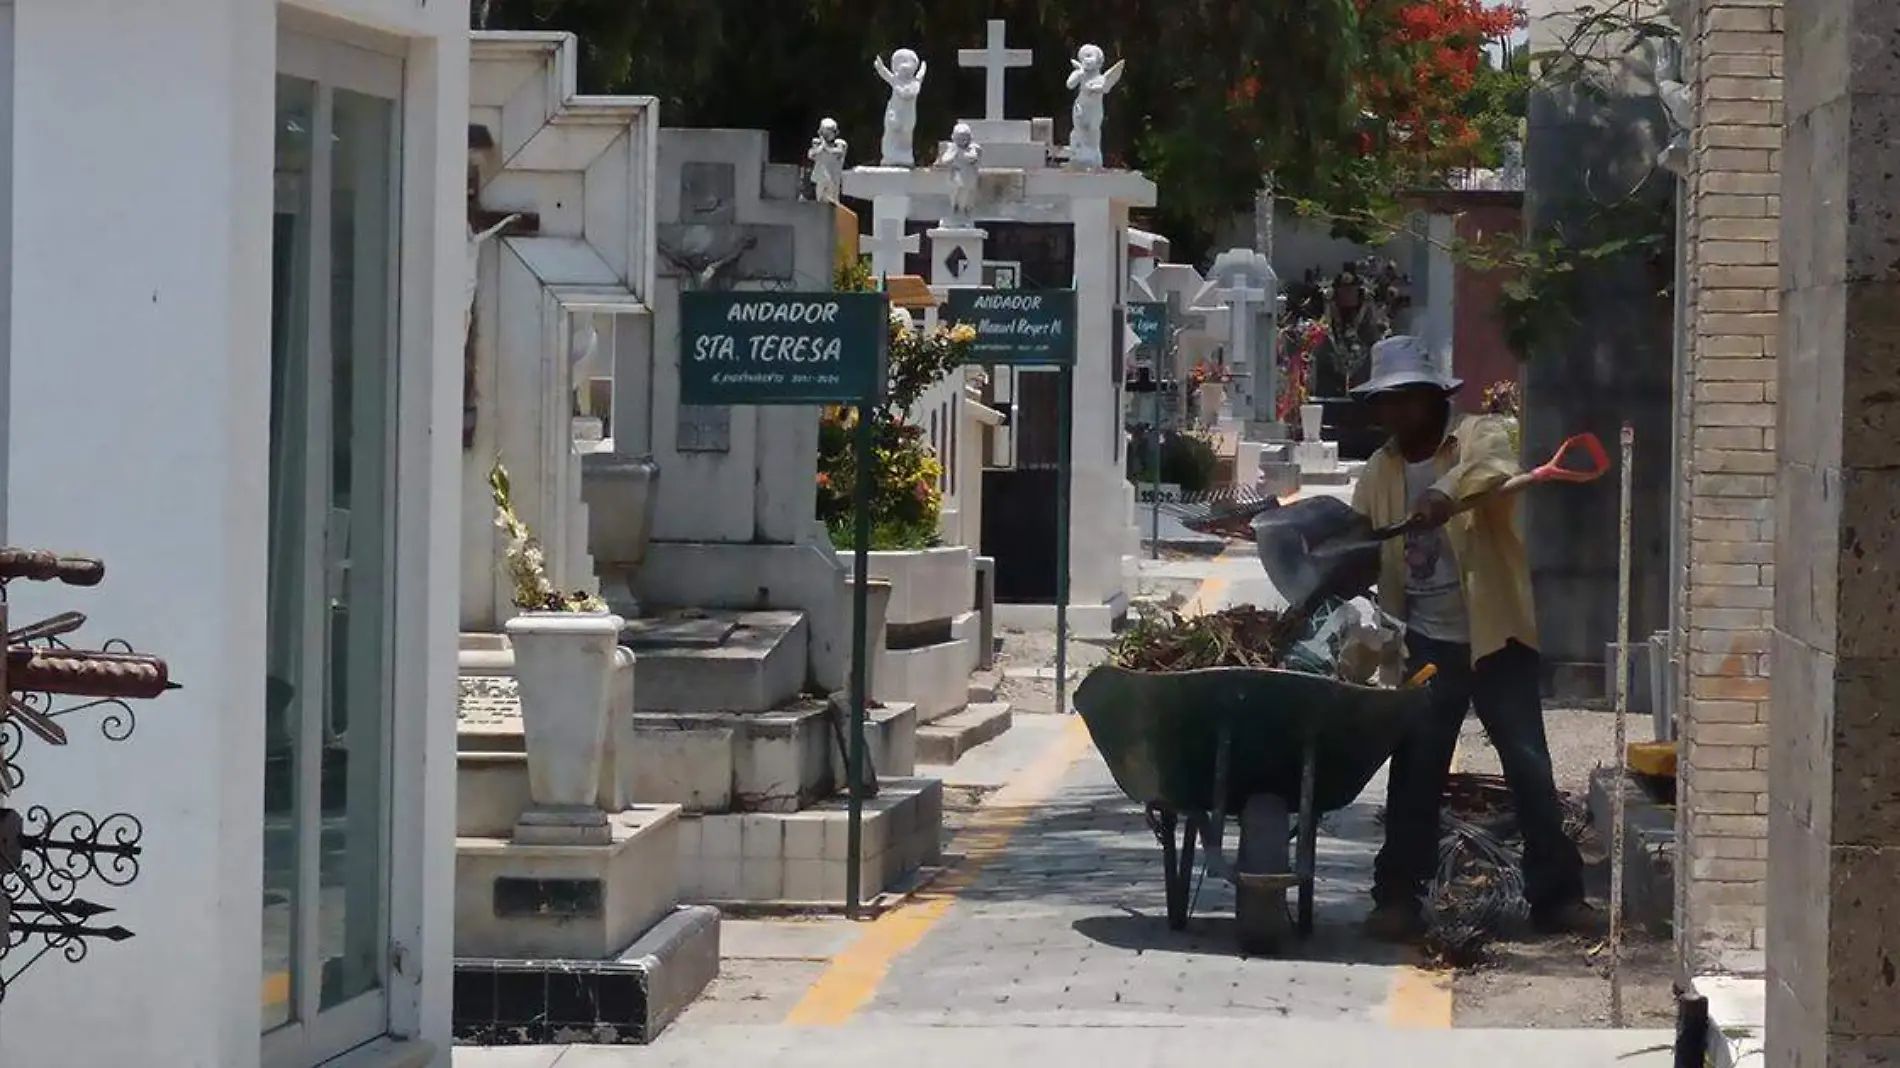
(1177, 864)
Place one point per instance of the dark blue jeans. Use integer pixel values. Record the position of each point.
(1504, 689)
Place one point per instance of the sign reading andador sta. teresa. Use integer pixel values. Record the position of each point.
(1017, 327)
(782, 348)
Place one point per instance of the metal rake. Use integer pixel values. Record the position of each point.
(1228, 512)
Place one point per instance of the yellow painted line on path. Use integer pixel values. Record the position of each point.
(853, 977)
(1421, 997)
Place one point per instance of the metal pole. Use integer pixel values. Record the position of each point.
(860, 659)
(1065, 419)
(1154, 481)
(1622, 697)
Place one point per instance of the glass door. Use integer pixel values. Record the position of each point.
(332, 538)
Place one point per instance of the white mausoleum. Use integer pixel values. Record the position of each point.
(233, 248)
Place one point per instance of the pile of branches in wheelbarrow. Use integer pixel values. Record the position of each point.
(1479, 889)
(1167, 641)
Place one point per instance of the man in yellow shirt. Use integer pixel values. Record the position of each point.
(1461, 583)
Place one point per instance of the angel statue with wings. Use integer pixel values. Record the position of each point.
(905, 76)
(1091, 84)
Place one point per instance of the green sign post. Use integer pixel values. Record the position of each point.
(804, 349)
(1031, 328)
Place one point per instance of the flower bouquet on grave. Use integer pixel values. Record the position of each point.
(1300, 342)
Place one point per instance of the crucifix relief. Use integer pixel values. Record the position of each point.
(710, 247)
(483, 225)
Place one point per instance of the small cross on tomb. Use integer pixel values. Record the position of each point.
(994, 60)
(889, 244)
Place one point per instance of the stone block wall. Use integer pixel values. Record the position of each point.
(1733, 62)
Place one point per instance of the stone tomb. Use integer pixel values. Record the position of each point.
(1017, 187)
(747, 641)
(573, 173)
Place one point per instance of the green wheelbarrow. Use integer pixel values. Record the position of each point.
(1197, 746)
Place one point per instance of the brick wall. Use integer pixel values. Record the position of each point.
(1733, 61)
(1480, 354)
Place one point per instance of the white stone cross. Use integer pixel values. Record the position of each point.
(889, 244)
(994, 59)
(1243, 300)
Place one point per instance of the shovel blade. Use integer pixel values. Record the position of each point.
(1316, 548)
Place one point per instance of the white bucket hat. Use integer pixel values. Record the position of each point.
(1400, 361)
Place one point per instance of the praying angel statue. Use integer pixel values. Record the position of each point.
(905, 76)
(827, 162)
(962, 156)
(1090, 84)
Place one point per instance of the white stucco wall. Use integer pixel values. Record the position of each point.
(142, 199)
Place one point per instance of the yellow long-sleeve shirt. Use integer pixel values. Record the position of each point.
(1487, 542)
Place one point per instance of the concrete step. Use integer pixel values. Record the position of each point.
(984, 685)
(946, 740)
(797, 860)
(718, 661)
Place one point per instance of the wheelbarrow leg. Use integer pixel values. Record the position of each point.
(1305, 857)
(1177, 864)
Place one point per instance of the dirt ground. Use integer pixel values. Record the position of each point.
(1565, 982)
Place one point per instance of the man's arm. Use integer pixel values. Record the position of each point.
(1485, 459)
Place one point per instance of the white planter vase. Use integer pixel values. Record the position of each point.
(564, 668)
(1312, 421)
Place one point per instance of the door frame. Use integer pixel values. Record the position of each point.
(311, 49)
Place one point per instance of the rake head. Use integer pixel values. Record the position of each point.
(1227, 512)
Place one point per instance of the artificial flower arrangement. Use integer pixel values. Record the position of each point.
(1300, 344)
(1502, 399)
(527, 565)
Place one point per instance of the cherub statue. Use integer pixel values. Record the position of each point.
(905, 76)
(827, 162)
(963, 156)
(1090, 84)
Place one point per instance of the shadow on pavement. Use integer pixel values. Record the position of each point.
(1331, 943)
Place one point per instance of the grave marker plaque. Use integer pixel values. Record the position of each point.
(1019, 327)
(782, 348)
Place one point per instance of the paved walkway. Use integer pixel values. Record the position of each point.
(1047, 944)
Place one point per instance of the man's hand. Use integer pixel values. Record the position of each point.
(1432, 511)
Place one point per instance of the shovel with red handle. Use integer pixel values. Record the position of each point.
(1319, 547)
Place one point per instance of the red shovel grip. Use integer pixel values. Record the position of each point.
(1556, 470)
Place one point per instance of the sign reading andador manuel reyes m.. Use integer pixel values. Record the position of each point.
(1017, 327)
(782, 348)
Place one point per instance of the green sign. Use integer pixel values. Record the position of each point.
(782, 348)
(1017, 327)
(1149, 320)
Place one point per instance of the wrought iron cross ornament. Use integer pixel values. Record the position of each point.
(46, 857)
